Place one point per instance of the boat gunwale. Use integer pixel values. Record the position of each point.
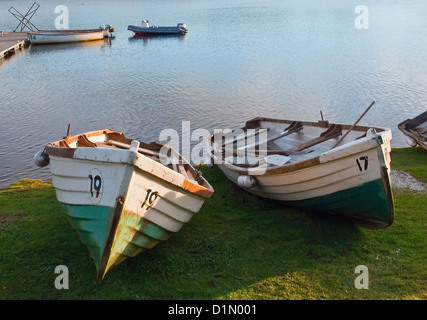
(255, 123)
(64, 33)
(203, 188)
(83, 30)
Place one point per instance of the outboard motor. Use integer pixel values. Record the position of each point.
(110, 28)
(182, 26)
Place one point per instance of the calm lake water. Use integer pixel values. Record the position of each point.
(240, 59)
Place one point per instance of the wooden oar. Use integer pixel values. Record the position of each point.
(245, 136)
(256, 153)
(333, 131)
(352, 127)
(295, 126)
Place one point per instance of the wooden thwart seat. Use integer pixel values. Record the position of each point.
(83, 141)
(332, 132)
(180, 166)
(63, 144)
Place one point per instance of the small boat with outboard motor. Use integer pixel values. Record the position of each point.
(146, 29)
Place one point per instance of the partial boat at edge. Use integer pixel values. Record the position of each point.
(415, 130)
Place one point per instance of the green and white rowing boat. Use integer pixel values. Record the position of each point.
(120, 198)
(333, 168)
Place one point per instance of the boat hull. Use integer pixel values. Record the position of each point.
(123, 204)
(106, 32)
(368, 202)
(156, 30)
(348, 181)
(63, 37)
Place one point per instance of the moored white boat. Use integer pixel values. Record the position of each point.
(108, 30)
(304, 164)
(119, 196)
(64, 36)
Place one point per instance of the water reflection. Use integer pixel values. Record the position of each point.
(146, 39)
(51, 47)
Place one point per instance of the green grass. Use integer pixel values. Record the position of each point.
(411, 160)
(237, 247)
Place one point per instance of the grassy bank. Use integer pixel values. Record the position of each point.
(237, 247)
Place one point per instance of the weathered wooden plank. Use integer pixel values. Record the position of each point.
(10, 42)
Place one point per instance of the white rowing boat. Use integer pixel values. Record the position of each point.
(320, 166)
(64, 36)
(108, 30)
(119, 196)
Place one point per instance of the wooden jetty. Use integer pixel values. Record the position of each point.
(10, 42)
